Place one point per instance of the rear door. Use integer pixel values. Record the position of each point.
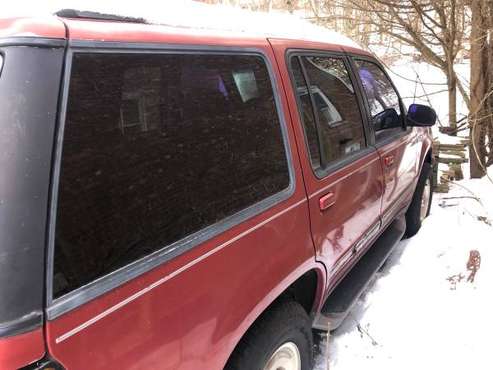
(342, 172)
(397, 146)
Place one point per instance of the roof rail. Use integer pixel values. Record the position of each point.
(83, 14)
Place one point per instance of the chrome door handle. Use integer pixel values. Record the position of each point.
(326, 201)
(388, 160)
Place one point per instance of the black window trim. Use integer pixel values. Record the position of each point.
(104, 284)
(321, 151)
(25, 322)
(406, 130)
(337, 164)
(40, 42)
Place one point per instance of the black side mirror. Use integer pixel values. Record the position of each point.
(421, 116)
(388, 118)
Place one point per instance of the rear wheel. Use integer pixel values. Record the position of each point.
(281, 339)
(286, 357)
(421, 202)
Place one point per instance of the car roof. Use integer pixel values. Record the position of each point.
(89, 26)
(46, 27)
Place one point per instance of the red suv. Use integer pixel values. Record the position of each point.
(183, 199)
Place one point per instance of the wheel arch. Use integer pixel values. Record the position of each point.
(307, 290)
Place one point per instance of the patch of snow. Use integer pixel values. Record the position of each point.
(421, 312)
(191, 14)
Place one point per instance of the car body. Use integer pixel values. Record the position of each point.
(188, 298)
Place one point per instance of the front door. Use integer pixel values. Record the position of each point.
(342, 173)
(397, 146)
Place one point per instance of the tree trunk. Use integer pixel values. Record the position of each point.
(476, 159)
(479, 82)
(489, 45)
(452, 97)
(290, 6)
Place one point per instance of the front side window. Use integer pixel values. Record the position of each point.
(331, 95)
(158, 147)
(382, 99)
(306, 113)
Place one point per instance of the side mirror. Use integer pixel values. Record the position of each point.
(421, 116)
(388, 118)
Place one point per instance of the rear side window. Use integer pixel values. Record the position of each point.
(158, 147)
(382, 99)
(331, 100)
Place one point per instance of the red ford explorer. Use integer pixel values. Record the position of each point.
(183, 199)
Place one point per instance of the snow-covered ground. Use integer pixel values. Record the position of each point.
(422, 312)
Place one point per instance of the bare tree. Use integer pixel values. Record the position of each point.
(434, 28)
(481, 87)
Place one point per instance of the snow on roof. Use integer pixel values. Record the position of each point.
(190, 14)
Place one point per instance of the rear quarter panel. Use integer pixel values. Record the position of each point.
(22, 349)
(190, 313)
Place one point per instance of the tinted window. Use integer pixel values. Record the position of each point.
(339, 120)
(382, 99)
(157, 147)
(307, 117)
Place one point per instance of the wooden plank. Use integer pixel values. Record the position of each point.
(457, 170)
(452, 160)
(452, 146)
(435, 173)
(454, 152)
(441, 188)
(449, 173)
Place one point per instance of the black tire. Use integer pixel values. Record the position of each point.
(285, 322)
(413, 219)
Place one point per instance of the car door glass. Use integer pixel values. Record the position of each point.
(382, 99)
(329, 112)
(156, 148)
(340, 123)
(307, 115)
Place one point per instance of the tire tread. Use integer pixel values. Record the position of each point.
(413, 222)
(274, 325)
